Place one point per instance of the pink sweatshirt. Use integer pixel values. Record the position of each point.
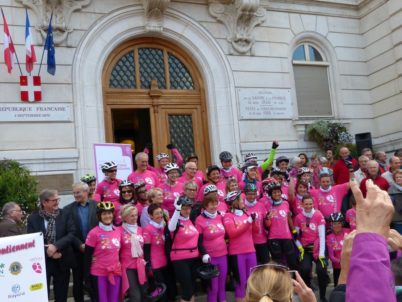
(213, 234)
(259, 232)
(351, 218)
(149, 177)
(109, 190)
(330, 202)
(334, 246)
(156, 238)
(309, 234)
(170, 193)
(279, 228)
(185, 243)
(233, 172)
(105, 259)
(240, 234)
(198, 180)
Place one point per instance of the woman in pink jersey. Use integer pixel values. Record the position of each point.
(184, 253)
(172, 188)
(228, 169)
(154, 252)
(90, 180)
(108, 188)
(126, 197)
(251, 177)
(155, 196)
(102, 248)
(260, 233)
(335, 243)
(280, 224)
(310, 227)
(231, 185)
(212, 246)
(214, 178)
(239, 225)
(351, 214)
(281, 177)
(295, 198)
(140, 193)
(132, 255)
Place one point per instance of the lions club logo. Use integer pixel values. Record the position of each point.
(15, 268)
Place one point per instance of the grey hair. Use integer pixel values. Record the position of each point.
(140, 154)
(46, 194)
(81, 185)
(7, 208)
(190, 184)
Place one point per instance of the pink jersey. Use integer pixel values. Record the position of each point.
(266, 201)
(185, 242)
(198, 180)
(351, 218)
(148, 177)
(222, 208)
(233, 172)
(109, 190)
(105, 259)
(126, 258)
(170, 193)
(156, 238)
(296, 205)
(334, 245)
(259, 232)
(330, 202)
(243, 184)
(221, 191)
(309, 227)
(213, 234)
(240, 234)
(279, 228)
(96, 197)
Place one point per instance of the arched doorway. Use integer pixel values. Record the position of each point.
(154, 93)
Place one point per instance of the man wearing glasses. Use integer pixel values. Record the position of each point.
(11, 223)
(58, 235)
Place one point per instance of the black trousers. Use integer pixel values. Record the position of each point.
(262, 253)
(283, 247)
(185, 271)
(306, 266)
(78, 279)
(60, 276)
(337, 272)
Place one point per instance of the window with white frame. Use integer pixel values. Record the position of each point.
(311, 78)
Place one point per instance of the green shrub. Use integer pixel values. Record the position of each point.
(16, 184)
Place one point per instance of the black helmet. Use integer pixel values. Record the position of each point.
(155, 294)
(273, 186)
(185, 201)
(281, 158)
(225, 156)
(250, 188)
(336, 217)
(208, 271)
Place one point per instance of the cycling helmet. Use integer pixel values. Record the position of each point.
(185, 201)
(171, 166)
(280, 159)
(325, 172)
(276, 171)
(250, 188)
(208, 271)
(303, 170)
(212, 168)
(273, 186)
(209, 189)
(250, 157)
(126, 183)
(161, 156)
(336, 217)
(88, 178)
(139, 185)
(232, 196)
(266, 182)
(104, 206)
(155, 292)
(225, 156)
(108, 166)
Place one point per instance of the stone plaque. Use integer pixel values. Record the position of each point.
(14, 112)
(263, 104)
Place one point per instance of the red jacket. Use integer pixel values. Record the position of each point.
(380, 181)
(341, 171)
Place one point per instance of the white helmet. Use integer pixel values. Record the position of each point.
(250, 157)
(210, 188)
(108, 166)
(171, 166)
(161, 156)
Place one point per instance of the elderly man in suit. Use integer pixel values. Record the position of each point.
(58, 235)
(12, 215)
(83, 214)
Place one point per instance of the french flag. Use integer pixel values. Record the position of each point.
(30, 58)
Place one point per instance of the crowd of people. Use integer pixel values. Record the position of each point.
(137, 239)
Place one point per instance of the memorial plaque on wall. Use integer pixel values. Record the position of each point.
(264, 104)
(11, 112)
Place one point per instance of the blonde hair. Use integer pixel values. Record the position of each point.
(126, 210)
(152, 193)
(269, 283)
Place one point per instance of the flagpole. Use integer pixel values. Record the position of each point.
(11, 39)
(44, 45)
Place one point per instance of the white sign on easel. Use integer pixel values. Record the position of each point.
(22, 268)
(119, 153)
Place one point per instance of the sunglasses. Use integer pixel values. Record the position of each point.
(125, 192)
(274, 266)
(112, 171)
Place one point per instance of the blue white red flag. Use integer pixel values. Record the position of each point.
(30, 57)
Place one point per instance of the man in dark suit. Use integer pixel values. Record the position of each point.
(83, 214)
(11, 223)
(58, 234)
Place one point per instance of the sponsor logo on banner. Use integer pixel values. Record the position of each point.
(16, 291)
(37, 268)
(36, 286)
(15, 268)
(2, 267)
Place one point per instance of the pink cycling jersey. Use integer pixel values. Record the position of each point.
(259, 232)
(240, 234)
(279, 228)
(334, 245)
(170, 193)
(109, 190)
(148, 177)
(233, 172)
(213, 234)
(185, 242)
(156, 238)
(309, 227)
(184, 178)
(106, 244)
(330, 202)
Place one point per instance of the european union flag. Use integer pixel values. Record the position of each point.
(49, 46)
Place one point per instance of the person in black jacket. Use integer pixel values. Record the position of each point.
(58, 235)
(83, 214)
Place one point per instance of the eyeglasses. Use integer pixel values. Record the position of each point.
(125, 192)
(112, 171)
(192, 190)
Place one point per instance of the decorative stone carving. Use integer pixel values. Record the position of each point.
(62, 11)
(154, 10)
(240, 18)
